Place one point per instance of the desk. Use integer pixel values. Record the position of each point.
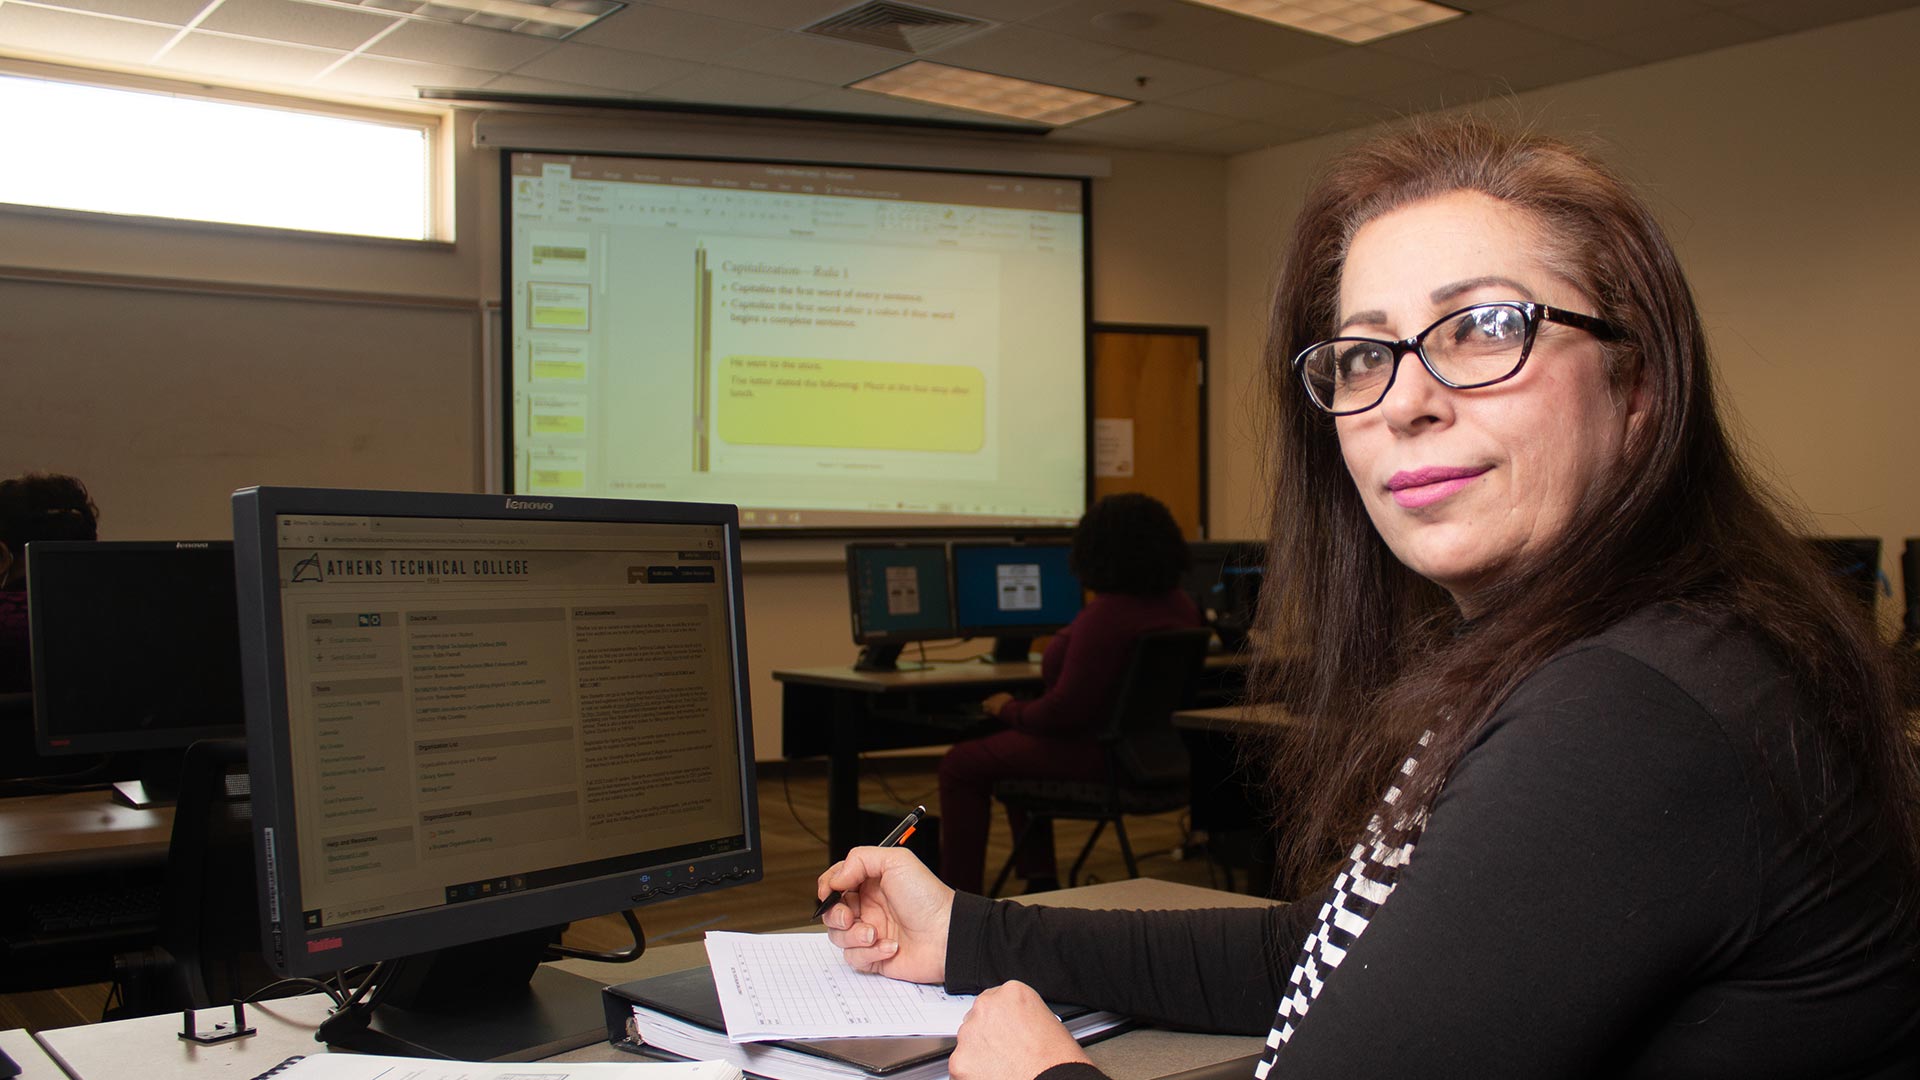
(147, 1047)
(79, 831)
(1235, 719)
(840, 712)
(1229, 801)
(77, 842)
(33, 1061)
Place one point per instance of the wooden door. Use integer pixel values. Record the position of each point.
(1150, 417)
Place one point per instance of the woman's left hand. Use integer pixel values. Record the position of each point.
(1010, 1034)
(994, 704)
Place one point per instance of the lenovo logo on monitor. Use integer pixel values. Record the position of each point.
(526, 504)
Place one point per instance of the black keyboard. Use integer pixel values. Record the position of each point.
(118, 909)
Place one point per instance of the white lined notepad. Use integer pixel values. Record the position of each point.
(799, 986)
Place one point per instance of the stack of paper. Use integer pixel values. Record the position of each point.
(800, 986)
(376, 1067)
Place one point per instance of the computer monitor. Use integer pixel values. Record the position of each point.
(136, 652)
(474, 718)
(898, 593)
(1013, 591)
(1855, 560)
(1224, 579)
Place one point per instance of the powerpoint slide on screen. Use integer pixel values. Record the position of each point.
(821, 346)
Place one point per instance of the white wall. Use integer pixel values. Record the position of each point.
(1785, 172)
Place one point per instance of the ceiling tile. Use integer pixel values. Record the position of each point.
(219, 55)
(85, 37)
(1450, 89)
(1701, 33)
(777, 14)
(1583, 20)
(1123, 75)
(1357, 72)
(460, 46)
(666, 32)
(1562, 64)
(727, 86)
(1802, 14)
(381, 77)
(862, 103)
(1476, 43)
(1025, 53)
(1239, 138)
(1243, 99)
(808, 56)
(610, 68)
(1189, 32)
(301, 24)
(176, 12)
(1152, 121)
(996, 10)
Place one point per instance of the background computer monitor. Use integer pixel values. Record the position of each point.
(1224, 579)
(471, 719)
(136, 651)
(1855, 560)
(1013, 591)
(897, 593)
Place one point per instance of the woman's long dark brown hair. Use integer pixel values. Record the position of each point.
(1377, 652)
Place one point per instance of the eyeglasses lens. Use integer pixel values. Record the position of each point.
(1481, 345)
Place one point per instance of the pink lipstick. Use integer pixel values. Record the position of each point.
(1415, 488)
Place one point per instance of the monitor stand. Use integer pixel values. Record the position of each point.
(489, 1001)
(884, 658)
(1010, 650)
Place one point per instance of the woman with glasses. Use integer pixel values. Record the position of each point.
(1598, 774)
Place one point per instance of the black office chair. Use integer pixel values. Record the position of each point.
(209, 951)
(1147, 760)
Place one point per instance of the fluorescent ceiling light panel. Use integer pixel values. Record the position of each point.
(1355, 22)
(540, 18)
(978, 91)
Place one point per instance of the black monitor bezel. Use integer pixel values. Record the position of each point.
(998, 629)
(50, 743)
(891, 637)
(286, 943)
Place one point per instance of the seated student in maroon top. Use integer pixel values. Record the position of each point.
(1129, 553)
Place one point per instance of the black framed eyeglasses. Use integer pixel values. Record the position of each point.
(1470, 348)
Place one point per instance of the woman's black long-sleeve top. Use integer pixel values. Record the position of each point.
(1641, 869)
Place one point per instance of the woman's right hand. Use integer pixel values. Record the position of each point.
(893, 914)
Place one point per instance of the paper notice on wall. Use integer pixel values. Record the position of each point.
(1112, 447)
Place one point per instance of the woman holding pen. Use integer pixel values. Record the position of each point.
(1600, 774)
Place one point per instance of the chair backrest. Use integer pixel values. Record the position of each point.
(212, 922)
(1141, 741)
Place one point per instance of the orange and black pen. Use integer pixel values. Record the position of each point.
(894, 839)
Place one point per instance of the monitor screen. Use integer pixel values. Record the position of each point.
(471, 715)
(899, 592)
(828, 347)
(135, 645)
(1020, 588)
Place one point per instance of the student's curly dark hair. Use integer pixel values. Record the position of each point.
(45, 506)
(1129, 543)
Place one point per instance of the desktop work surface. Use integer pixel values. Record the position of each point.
(149, 1048)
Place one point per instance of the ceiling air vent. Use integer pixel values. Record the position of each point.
(900, 27)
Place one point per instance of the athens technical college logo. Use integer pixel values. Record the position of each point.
(308, 569)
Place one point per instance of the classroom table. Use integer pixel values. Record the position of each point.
(33, 1061)
(79, 842)
(148, 1047)
(841, 713)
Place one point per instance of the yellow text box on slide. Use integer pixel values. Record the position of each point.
(558, 424)
(852, 404)
(550, 479)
